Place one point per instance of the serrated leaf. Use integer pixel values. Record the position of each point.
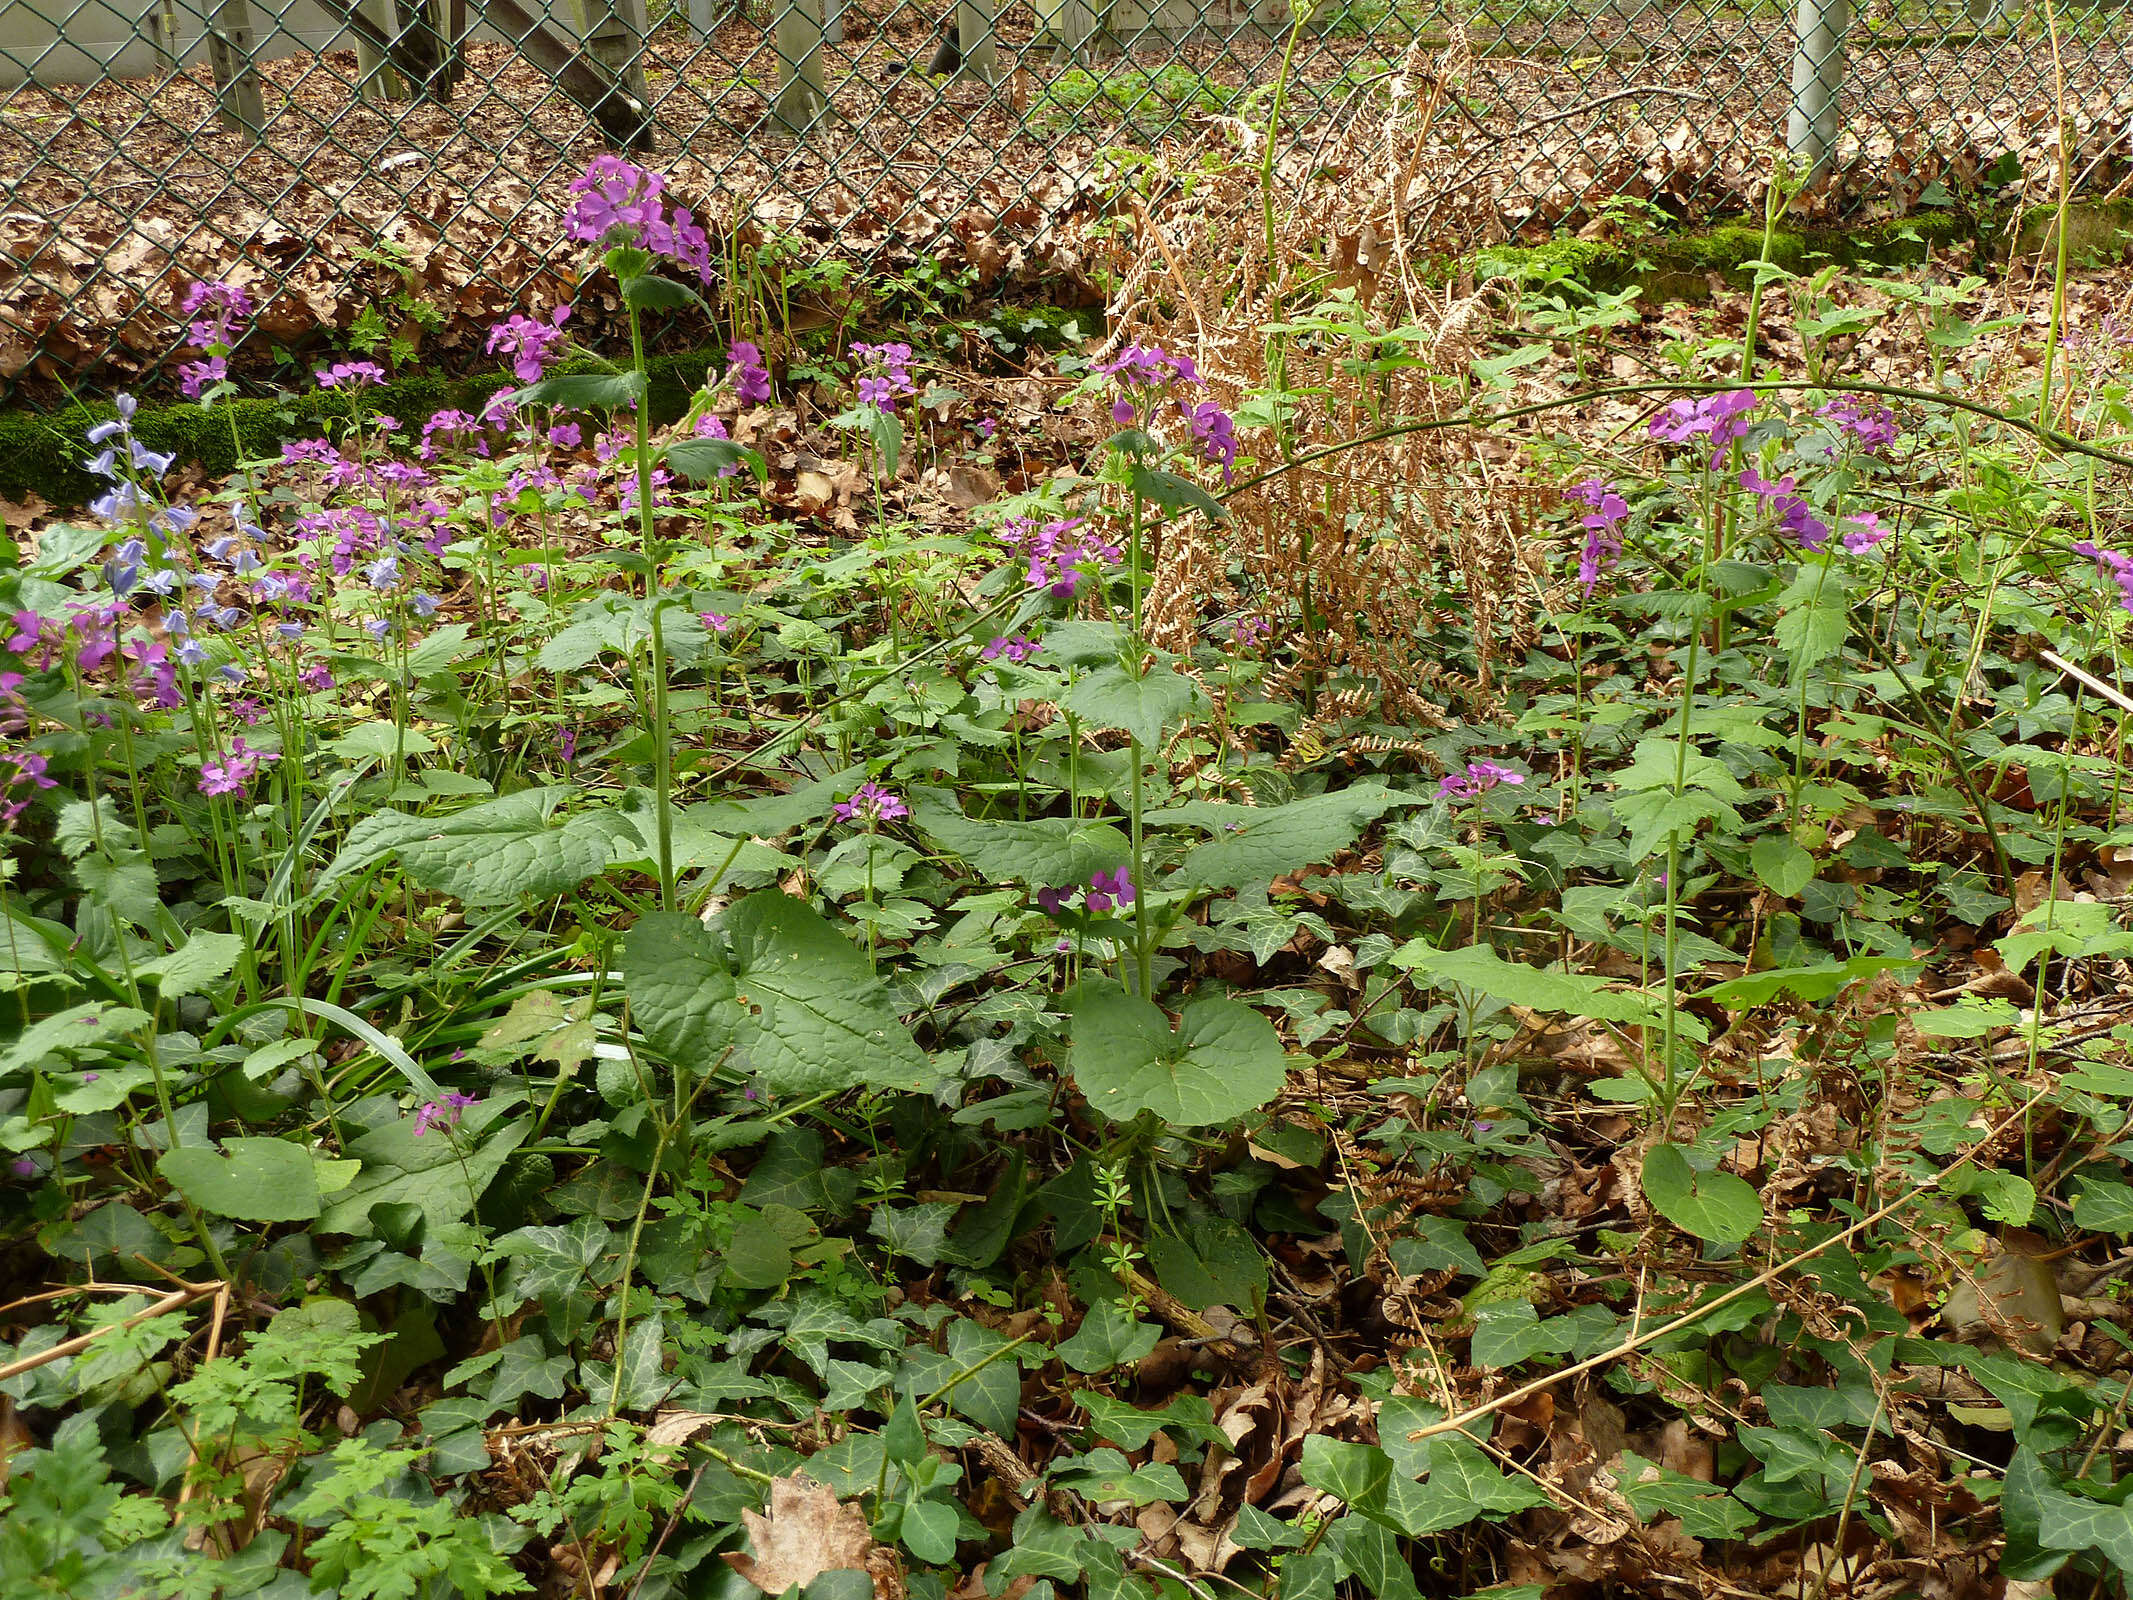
(1052, 853)
(489, 854)
(1173, 493)
(1223, 1060)
(1253, 845)
(680, 991)
(583, 391)
(812, 1016)
(193, 965)
(1479, 967)
(705, 459)
(1711, 1205)
(1112, 697)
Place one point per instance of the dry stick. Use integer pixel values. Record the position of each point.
(214, 1349)
(2092, 682)
(1460, 1423)
(175, 1301)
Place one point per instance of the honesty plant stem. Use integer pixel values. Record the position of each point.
(662, 754)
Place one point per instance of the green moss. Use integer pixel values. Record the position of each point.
(1677, 265)
(42, 452)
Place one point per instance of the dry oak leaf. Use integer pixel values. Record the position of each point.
(808, 1532)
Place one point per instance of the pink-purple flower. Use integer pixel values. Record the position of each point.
(230, 775)
(747, 373)
(618, 202)
(1873, 425)
(443, 1113)
(1058, 552)
(1720, 418)
(529, 342)
(1478, 779)
(1017, 648)
(2112, 564)
(870, 803)
(1793, 513)
(22, 775)
(1602, 519)
(351, 375)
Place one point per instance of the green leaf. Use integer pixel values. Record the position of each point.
(1433, 1243)
(1479, 967)
(489, 854)
(1815, 622)
(1812, 983)
(705, 459)
(813, 1018)
(1224, 1059)
(1173, 493)
(2104, 1207)
(1705, 1512)
(647, 291)
(438, 650)
(928, 1531)
(194, 965)
(554, 1261)
(758, 1257)
(256, 1180)
(1712, 1205)
(584, 391)
(1254, 845)
(680, 991)
(1511, 1332)
(86, 1027)
(1189, 1415)
(1108, 1337)
(427, 1171)
(1783, 866)
(1355, 1473)
(1112, 697)
(1103, 1474)
(1053, 853)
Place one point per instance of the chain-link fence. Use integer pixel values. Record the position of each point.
(390, 173)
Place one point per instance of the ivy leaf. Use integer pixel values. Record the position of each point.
(1112, 697)
(1712, 1205)
(1354, 1473)
(1705, 1512)
(255, 1180)
(1108, 1337)
(680, 991)
(811, 1013)
(1103, 1474)
(1224, 1059)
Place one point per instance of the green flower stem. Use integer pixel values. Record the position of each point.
(660, 721)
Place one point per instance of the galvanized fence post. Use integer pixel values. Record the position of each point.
(803, 90)
(1817, 116)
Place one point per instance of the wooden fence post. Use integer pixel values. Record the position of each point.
(973, 38)
(803, 93)
(615, 33)
(229, 54)
(376, 78)
(1081, 33)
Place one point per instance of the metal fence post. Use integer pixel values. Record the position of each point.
(229, 54)
(1817, 77)
(1079, 28)
(803, 93)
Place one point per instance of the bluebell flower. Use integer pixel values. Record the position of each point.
(176, 519)
(219, 549)
(192, 652)
(383, 573)
(177, 624)
(105, 430)
(291, 631)
(205, 582)
(145, 457)
(247, 563)
(161, 581)
(378, 628)
(426, 605)
(104, 466)
(230, 672)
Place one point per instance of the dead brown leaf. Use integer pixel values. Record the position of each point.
(807, 1532)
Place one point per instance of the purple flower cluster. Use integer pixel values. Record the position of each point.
(22, 774)
(351, 375)
(619, 203)
(1719, 418)
(2111, 564)
(230, 776)
(1104, 890)
(1603, 543)
(1874, 426)
(1793, 514)
(443, 1113)
(1017, 648)
(881, 388)
(215, 308)
(870, 803)
(747, 373)
(1478, 779)
(528, 342)
(1147, 375)
(1245, 632)
(1057, 552)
